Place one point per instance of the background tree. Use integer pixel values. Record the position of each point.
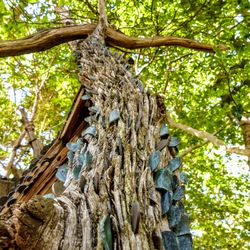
(208, 92)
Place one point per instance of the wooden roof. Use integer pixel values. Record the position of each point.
(39, 179)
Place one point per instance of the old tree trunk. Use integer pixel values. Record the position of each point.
(121, 178)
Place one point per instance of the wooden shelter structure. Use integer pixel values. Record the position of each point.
(41, 174)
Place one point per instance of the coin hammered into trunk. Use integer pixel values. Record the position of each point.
(106, 233)
(154, 160)
(58, 188)
(61, 173)
(185, 242)
(90, 131)
(170, 240)
(163, 180)
(174, 163)
(162, 144)
(166, 201)
(114, 116)
(135, 216)
(164, 132)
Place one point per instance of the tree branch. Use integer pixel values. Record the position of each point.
(29, 128)
(103, 17)
(49, 38)
(193, 147)
(94, 11)
(39, 88)
(207, 136)
(10, 168)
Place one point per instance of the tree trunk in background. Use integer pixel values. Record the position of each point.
(123, 187)
(245, 126)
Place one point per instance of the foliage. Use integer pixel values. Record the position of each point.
(208, 92)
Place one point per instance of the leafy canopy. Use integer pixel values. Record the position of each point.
(209, 92)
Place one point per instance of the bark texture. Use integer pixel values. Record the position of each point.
(112, 197)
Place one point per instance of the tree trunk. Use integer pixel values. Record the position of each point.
(245, 126)
(122, 187)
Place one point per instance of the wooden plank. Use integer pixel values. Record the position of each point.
(43, 184)
(75, 117)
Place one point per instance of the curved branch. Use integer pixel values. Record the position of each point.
(192, 148)
(195, 146)
(48, 38)
(209, 137)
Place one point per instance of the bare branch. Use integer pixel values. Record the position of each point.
(147, 64)
(29, 127)
(91, 7)
(21, 155)
(49, 38)
(39, 88)
(197, 13)
(199, 145)
(207, 136)
(66, 20)
(103, 17)
(192, 148)
(10, 168)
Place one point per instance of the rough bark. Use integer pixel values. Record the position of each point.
(48, 38)
(109, 179)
